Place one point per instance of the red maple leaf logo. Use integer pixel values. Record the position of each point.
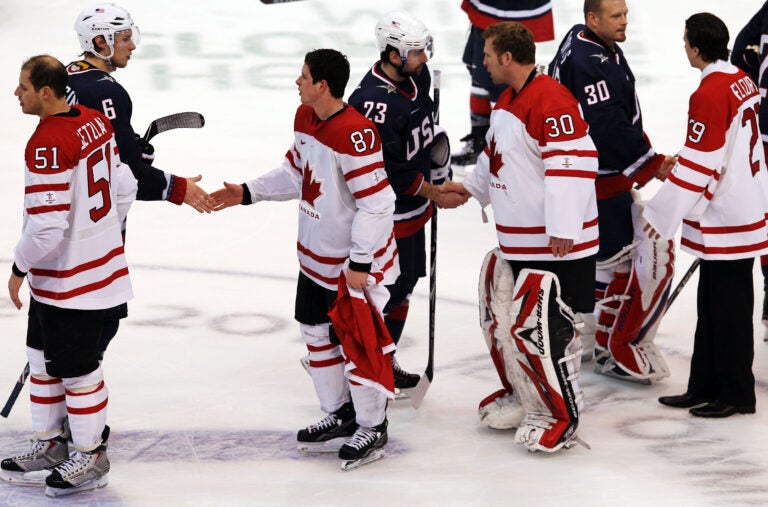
(310, 188)
(495, 158)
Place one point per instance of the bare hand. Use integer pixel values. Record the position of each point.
(666, 167)
(356, 279)
(14, 284)
(451, 195)
(560, 246)
(197, 197)
(230, 195)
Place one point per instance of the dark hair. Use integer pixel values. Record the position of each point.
(708, 33)
(330, 66)
(513, 37)
(592, 6)
(45, 70)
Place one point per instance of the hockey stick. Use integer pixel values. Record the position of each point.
(174, 121)
(418, 392)
(270, 2)
(673, 295)
(15, 393)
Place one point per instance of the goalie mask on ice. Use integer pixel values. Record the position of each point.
(531, 338)
(633, 306)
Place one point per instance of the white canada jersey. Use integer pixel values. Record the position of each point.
(76, 195)
(538, 173)
(336, 170)
(719, 186)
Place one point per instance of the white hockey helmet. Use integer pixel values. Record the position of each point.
(403, 32)
(105, 20)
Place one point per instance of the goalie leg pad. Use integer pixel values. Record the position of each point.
(495, 295)
(543, 357)
(635, 308)
(501, 410)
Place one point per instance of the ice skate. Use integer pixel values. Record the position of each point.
(83, 471)
(365, 446)
(42, 455)
(501, 410)
(329, 434)
(403, 379)
(467, 155)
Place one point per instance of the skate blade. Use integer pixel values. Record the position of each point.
(351, 464)
(95, 483)
(322, 447)
(25, 478)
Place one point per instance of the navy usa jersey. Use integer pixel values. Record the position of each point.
(601, 80)
(750, 50)
(404, 116)
(94, 88)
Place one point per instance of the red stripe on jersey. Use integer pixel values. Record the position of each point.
(727, 229)
(364, 170)
(415, 186)
(714, 250)
(326, 362)
(390, 262)
(44, 382)
(536, 229)
(546, 249)
(313, 274)
(569, 153)
(381, 252)
(321, 348)
(480, 105)
(409, 227)
(47, 209)
(371, 190)
(88, 410)
(59, 296)
(684, 184)
(53, 187)
(319, 258)
(570, 173)
(695, 167)
(52, 273)
(47, 400)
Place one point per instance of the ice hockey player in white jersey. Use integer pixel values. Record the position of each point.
(336, 171)
(719, 191)
(538, 174)
(77, 193)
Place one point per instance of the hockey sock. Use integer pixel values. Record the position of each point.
(87, 411)
(326, 367)
(46, 395)
(370, 405)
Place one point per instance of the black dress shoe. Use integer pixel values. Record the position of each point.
(719, 409)
(685, 400)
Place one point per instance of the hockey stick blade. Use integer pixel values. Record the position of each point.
(187, 120)
(15, 392)
(418, 392)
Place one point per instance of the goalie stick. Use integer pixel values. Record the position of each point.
(174, 121)
(418, 392)
(15, 393)
(687, 276)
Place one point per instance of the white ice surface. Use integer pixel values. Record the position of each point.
(206, 390)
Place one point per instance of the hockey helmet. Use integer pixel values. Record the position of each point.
(403, 32)
(105, 20)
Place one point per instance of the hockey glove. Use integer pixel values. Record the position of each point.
(147, 150)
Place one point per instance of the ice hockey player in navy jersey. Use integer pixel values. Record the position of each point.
(536, 15)
(590, 63)
(394, 95)
(749, 53)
